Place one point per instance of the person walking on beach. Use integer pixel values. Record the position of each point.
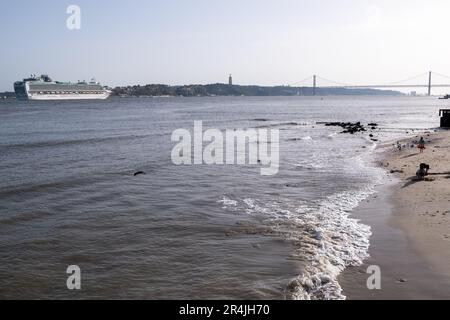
(421, 144)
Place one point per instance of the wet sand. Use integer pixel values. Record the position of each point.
(410, 222)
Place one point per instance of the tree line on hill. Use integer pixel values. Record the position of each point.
(219, 89)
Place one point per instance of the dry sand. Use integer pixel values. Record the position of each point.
(410, 220)
(422, 207)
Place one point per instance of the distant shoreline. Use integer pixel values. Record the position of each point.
(7, 95)
(225, 90)
(218, 89)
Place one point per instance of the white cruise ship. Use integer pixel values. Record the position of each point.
(44, 88)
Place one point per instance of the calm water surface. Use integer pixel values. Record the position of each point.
(68, 197)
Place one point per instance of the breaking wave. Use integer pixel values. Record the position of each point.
(326, 239)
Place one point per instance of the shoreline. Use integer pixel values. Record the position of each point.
(410, 222)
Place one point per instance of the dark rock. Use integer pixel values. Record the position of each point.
(348, 127)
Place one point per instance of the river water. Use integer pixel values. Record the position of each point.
(68, 197)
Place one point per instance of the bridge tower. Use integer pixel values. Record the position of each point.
(429, 83)
(314, 84)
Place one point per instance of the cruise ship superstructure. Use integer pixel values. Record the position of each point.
(44, 88)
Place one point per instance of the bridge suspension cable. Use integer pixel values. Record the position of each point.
(441, 75)
(335, 82)
(387, 84)
(407, 79)
(302, 81)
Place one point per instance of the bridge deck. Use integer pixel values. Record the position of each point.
(389, 86)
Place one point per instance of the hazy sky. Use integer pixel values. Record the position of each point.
(202, 41)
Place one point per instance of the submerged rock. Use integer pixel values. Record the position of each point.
(348, 127)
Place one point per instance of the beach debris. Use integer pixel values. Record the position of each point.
(402, 280)
(396, 171)
(138, 173)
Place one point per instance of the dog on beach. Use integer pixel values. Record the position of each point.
(423, 171)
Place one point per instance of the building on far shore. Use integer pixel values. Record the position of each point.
(230, 80)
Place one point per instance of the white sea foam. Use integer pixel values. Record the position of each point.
(227, 203)
(249, 202)
(332, 135)
(335, 240)
(329, 242)
(325, 236)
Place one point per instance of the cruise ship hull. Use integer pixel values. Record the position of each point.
(45, 97)
(44, 89)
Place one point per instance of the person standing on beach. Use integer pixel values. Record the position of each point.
(421, 144)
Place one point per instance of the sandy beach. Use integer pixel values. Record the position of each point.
(423, 207)
(410, 220)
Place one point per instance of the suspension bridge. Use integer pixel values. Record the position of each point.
(405, 83)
